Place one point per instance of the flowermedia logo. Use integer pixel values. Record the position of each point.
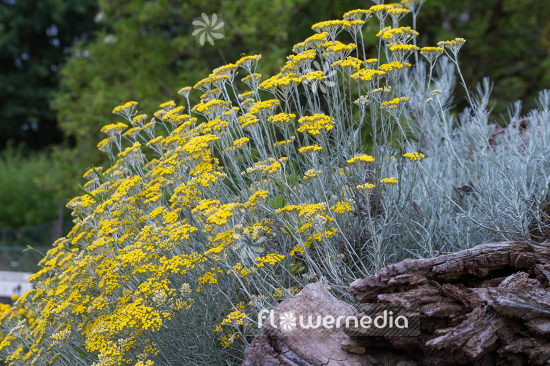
(208, 28)
(377, 321)
(327, 79)
(288, 321)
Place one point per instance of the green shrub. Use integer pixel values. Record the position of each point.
(25, 199)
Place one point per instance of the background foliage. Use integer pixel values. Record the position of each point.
(31, 179)
(508, 41)
(35, 40)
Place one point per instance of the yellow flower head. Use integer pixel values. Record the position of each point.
(397, 35)
(381, 10)
(350, 64)
(313, 149)
(274, 168)
(332, 27)
(341, 207)
(315, 124)
(310, 174)
(226, 70)
(168, 105)
(265, 108)
(247, 62)
(397, 13)
(366, 75)
(357, 14)
(454, 45)
(282, 118)
(394, 103)
(185, 91)
(361, 159)
(414, 156)
(125, 109)
(240, 143)
(114, 129)
(402, 50)
(248, 120)
(366, 186)
(317, 39)
(391, 180)
(431, 53)
(252, 80)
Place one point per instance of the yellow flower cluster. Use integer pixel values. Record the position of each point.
(282, 143)
(391, 66)
(274, 168)
(382, 8)
(247, 62)
(397, 35)
(248, 120)
(270, 259)
(391, 180)
(168, 105)
(226, 70)
(240, 270)
(312, 173)
(315, 124)
(350, 64)
(394, 103)
(114, 129)
(252, 80)
(314, 76)
(317, 40)
(300, 249)
(397, 13)
(280, 291)
(199, 144)
(207, 278)
(239, 144)
(310, 149)
(184, 92)
(125, 109)
(339, 50)
(212, 81)
(414, 156)
(366, 74)
(431, 53)
(281, 82)
(366, 186)
(227, 341)
(282, 118)
(361, 159)
(341, 207)
(264, 108)
(454, 45)
(330, 26)
(356, 14)
(234, 318)
(402, 50)
(213, 108)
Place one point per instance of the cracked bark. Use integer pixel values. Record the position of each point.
(489, 305)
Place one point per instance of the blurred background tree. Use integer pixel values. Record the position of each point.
(35, 39)
(140, 50)
(507, 40)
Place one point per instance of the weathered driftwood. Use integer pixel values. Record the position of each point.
(489, 305)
